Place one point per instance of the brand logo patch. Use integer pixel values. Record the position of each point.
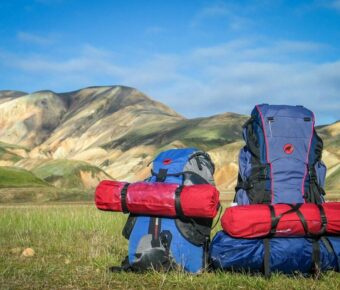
(288, 148)
(167, 161)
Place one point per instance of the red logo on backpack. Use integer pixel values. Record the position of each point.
(288, 148)
(167, 161)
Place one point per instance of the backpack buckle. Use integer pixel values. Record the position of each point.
(311, 173)
(161, 175)
(263, 174)
(247, 185)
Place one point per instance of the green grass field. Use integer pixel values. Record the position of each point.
(15, 177)
(75, 243)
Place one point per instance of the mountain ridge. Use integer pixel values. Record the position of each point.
(119, 130)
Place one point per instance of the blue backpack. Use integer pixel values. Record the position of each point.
(163, 243)
(281, 162)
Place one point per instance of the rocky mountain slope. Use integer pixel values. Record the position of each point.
(115, 132)
(331, 137)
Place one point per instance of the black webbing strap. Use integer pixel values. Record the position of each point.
(315, 190)
(296, 208)
(153, 173)
(206, 253)
(162, 174)
(303, 221)
(251, 119)
(316, 258)
(188, 172)
(276, 219)
(266, 258)
(323, 219)
(244, 184)
(178, 207)
(205, 156)
(123, 194)
(199, 164)
(327, 245)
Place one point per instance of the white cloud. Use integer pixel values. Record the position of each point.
(229, 77)
(231, 12)
(34, 38)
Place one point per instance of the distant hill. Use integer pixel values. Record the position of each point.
(6, 96)
(331, 137)
(72, 140)
(18, 177)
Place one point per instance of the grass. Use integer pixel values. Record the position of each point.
(41, 195)
(18, 177)
(74, 245)
(55, 180)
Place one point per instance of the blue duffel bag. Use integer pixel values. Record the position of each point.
(284, 255)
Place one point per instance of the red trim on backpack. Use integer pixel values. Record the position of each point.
(267, 152)
(307, 158)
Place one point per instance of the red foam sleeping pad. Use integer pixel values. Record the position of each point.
(254, 221)
(158, 199)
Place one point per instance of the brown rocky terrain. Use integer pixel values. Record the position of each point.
(115, 132)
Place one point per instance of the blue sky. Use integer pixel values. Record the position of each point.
(199, 57)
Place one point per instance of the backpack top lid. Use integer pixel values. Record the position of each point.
(183, 166)
(297, 112)
(173, 160)
(287, 131)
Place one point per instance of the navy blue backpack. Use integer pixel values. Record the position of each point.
(162, 243)
(281, 162)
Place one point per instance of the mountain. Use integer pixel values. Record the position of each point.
(75, 139)
(331, 155)
(6, 96)
(29, 119)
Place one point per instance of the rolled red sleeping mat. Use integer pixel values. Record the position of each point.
(161, 199)
(282, 220)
